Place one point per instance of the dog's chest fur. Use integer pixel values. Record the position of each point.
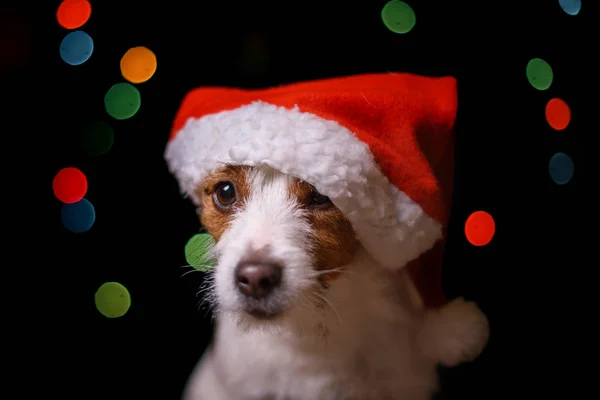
(382, 367)
(370, 351)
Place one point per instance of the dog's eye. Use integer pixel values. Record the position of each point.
(224, 194)
(320, 201)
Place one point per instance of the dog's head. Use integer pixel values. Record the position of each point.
(280, 244)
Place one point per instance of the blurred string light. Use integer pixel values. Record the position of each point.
(96, 139)
(539, 74)
(112, 300)
(122, 101)
(398, 16)
(138, 64)
(78, 217)
(76, 48)
(73, 14)
(69, 185)
(561, 168)
(480, 228)
(558, 114)
(571, 7)
(197, 251)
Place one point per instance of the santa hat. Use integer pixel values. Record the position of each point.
(377, 145)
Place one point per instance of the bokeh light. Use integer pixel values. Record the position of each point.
(398, 16)
(122, 101)
(197, 251)
(78, 217)
(72, 14)
(480, 228)
(97, 139)
(76, 48)
(561, 168)
(112, 300)
(70, 185)
(539, 74)
(138, 64)
(558, 114)
(571, 7)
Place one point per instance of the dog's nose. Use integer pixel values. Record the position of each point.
(257, 279)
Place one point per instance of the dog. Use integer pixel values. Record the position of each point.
(303, 312)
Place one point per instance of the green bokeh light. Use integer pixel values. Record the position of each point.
(122, 101)
(539, 74)
(112, 300)
(97, 139)
(398, 16)
(197, 252)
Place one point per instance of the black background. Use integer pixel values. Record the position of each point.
(503, 148)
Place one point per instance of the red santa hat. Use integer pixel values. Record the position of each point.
(380, 146)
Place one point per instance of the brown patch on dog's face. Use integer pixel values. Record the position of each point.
(334, 239)
(335, 242)
(216, 218)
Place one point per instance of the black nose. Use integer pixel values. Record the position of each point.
(257, 279)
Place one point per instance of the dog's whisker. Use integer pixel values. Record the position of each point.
(326, 271)
(208, 301)
(189, 272)
(208, 308)
(208, 290)
(332, 307)
(304, 304)
(342, 271)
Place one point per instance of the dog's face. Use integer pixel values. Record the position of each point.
(280, 244)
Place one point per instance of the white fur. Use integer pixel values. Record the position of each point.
(391, 226)
(268, 219)
(380, 342)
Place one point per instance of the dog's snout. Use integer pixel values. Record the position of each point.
(257, 280)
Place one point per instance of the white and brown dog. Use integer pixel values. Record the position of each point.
(313, 231)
